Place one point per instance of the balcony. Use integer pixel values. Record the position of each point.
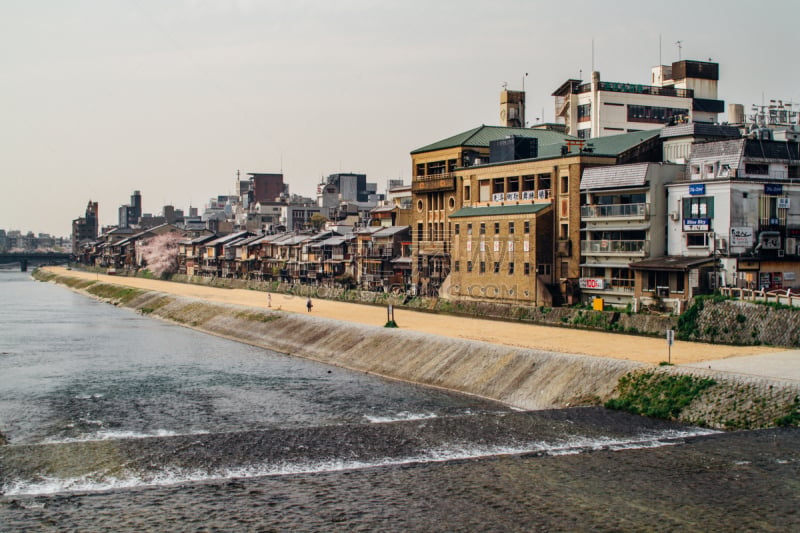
(620, 211)
(434, 183)
(433, 247)
(634, 88)
(609, 247)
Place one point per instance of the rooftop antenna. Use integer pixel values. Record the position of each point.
(659, 50)
(679, 44)
(523, 81)
(592, 54)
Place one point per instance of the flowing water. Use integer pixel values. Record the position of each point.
(119, 421)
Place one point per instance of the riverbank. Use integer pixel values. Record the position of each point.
(519, 376)
(643, 349)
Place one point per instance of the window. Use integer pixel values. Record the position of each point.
(498, 185)
(484, 191)
(457, 265)
(756, 168)
(652, 114)
(483, 228)
(564, 233)
(511, 268)
(674, 281)
(483, 267)
(469, 229)
(457, 229)
(772, 210)
(564, 184)
(584, 112)
(510, 228)
(698, 207)
(496, 228)
(419, 232)
(527, 226)
(496, 267)
(469, 266)
(697, 240)
(467, 192)
(564, 269)
(526, 269)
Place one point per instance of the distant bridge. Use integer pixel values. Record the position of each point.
(38, 258)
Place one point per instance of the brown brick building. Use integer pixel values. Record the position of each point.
(461, 181)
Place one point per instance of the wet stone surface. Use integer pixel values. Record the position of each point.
(718, 482)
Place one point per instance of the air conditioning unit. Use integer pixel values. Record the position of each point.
(722, 245)
(791, 245)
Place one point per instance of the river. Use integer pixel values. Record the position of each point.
(117, 421)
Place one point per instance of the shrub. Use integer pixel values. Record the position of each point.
(657, 395)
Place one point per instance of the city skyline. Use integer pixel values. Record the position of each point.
(172, 98)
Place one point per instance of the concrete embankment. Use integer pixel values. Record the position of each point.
(523, 378)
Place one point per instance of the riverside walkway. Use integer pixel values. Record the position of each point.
(771, 362)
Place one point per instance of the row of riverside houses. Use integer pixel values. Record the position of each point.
(637, 197)
(640, 197)
(373, 257)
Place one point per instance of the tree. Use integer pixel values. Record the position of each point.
(318, 221)
(160, 253)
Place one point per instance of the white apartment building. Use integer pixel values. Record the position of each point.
(623, 219)
(685, 91)
(740, 204)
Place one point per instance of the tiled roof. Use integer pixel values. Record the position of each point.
(725, 152)
(391, 230)
(225, 239)
(618, 144)
(496, 210)
(481, 136)
(771, 149)
(634, 175)
(671, 262)
(700, 129)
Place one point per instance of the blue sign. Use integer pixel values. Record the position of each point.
(696, 224)
(697, 188)
(773, 188)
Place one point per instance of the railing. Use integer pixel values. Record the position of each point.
(615, 210)
(634, 88)
(781, 296)
(433, 182)
(432, 247)
(611, 247)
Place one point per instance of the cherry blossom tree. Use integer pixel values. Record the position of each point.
(160, 253)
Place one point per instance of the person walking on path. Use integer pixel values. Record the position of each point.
(309, 305)
(269, 299)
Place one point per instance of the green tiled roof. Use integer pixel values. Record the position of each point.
(617, 144)
(550, 142)
(481, 136)
(495, 210)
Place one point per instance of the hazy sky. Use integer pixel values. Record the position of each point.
(171, 97)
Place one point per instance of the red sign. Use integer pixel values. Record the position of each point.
(592, 283)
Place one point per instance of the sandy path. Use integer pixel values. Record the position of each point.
(565, 340)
